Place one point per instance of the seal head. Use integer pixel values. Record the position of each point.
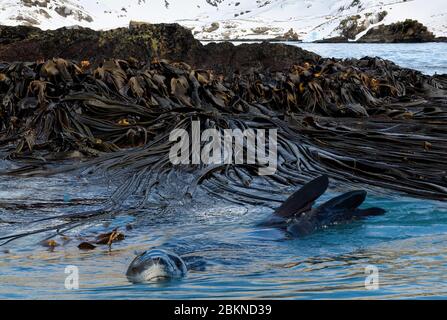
(156, 265)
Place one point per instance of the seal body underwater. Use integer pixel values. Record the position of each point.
(298, 217)
(156, 265)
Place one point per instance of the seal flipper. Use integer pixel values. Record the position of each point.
(339, 208)
(347, 201)
(369, 212)
(303, 199)
(345, 207)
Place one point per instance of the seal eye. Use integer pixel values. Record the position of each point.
(178, 263)
(135, 270)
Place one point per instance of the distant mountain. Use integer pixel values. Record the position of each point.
(307, 20)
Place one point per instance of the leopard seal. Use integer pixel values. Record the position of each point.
(296, 215)
(156, 265)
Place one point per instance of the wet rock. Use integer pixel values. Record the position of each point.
(228, 58)
(143, 42)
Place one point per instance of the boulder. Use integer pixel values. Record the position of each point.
(406, 31)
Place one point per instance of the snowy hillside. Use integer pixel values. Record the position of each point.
(231, 19)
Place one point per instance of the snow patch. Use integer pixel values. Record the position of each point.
(236, 19)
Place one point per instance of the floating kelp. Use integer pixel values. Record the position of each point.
(365, 121)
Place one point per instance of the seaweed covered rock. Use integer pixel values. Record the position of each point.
(34, 95)
(406, 31)
(10, 34)
(144, 42)
(141, 41)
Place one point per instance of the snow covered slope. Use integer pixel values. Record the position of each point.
(231, 19)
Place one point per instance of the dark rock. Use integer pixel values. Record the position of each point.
(144, 42)
(227, 58)
(15, 34)
(351, 26)
(333, 40)
(290, 35)
(406, 31)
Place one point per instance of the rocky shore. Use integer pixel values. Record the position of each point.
(408, 31)
(144, 42)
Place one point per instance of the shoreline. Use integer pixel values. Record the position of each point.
(314, 42)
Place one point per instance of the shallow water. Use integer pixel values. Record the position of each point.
(407, 245)
(242, 260)
(429, 58)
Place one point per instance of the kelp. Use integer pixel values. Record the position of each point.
(358, 121)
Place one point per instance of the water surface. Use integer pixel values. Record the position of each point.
(429, 58)
(241, 259)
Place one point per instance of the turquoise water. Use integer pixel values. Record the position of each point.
(242, 260)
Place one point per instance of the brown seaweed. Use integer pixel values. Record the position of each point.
(358, 121)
